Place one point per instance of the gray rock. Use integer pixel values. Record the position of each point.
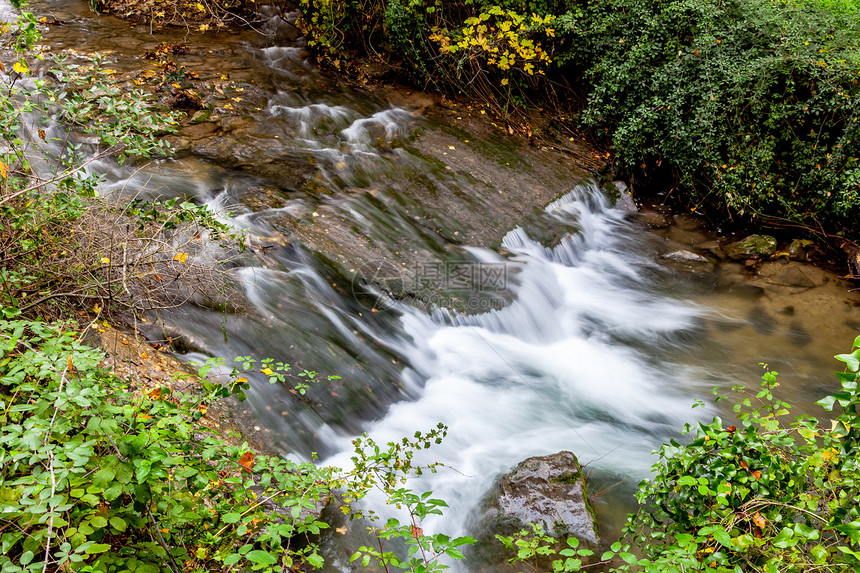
(547, 490)
(689, 261)
(762, 245)
(624, 202)
(685, 257)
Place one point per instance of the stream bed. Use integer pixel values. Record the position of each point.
(450, 273)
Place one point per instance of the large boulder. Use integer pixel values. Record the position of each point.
(546, 490)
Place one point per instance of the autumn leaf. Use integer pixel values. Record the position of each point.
(42, 135)
(21, 67)
(202, 408)
(201, 7)
(247, 461)
(105, 261)
(757, 475)
(416, 531)
(267, 371)
(144, 417)
(759, 520)
(4, 170)
(155, 393)
(180, 257)
(71, 366)
(744, 465)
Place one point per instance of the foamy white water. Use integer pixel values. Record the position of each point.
(549, 372)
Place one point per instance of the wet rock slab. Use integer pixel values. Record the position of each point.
(546, 490)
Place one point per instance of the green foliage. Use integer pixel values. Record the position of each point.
(754, 103)
(531, 546)
(490, 51)
(98, 478)
(423, 551)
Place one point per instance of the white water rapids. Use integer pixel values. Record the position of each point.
(546, 373)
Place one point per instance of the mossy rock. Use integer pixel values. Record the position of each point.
(760, 245)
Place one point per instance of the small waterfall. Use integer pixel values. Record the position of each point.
(547, 372)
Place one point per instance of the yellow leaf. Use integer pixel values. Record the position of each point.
(267, 371)
(105, 261)
(144, 417)
(20, 67)
(201, 7)
(96, 308)
(204, 27)
(42, 135)
(4, 170)
(180, 257)
(505, 82)
(177, 86)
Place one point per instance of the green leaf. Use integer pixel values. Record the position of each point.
(261, 557)
(98, 521)
(103, 477)
(98, 548)
(851, 360)
(118, 523)
(722, 537)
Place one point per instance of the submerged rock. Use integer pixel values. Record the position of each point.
(762, 245)
(547, 490)
(683, 259)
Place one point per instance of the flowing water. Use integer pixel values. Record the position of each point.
(588, 343)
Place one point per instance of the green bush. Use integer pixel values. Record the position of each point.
(752, 105)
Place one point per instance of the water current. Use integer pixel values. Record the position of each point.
(590, 343)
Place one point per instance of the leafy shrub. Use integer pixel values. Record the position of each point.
(96, 475)
(750, 104)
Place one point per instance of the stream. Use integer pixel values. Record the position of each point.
(554, 324)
